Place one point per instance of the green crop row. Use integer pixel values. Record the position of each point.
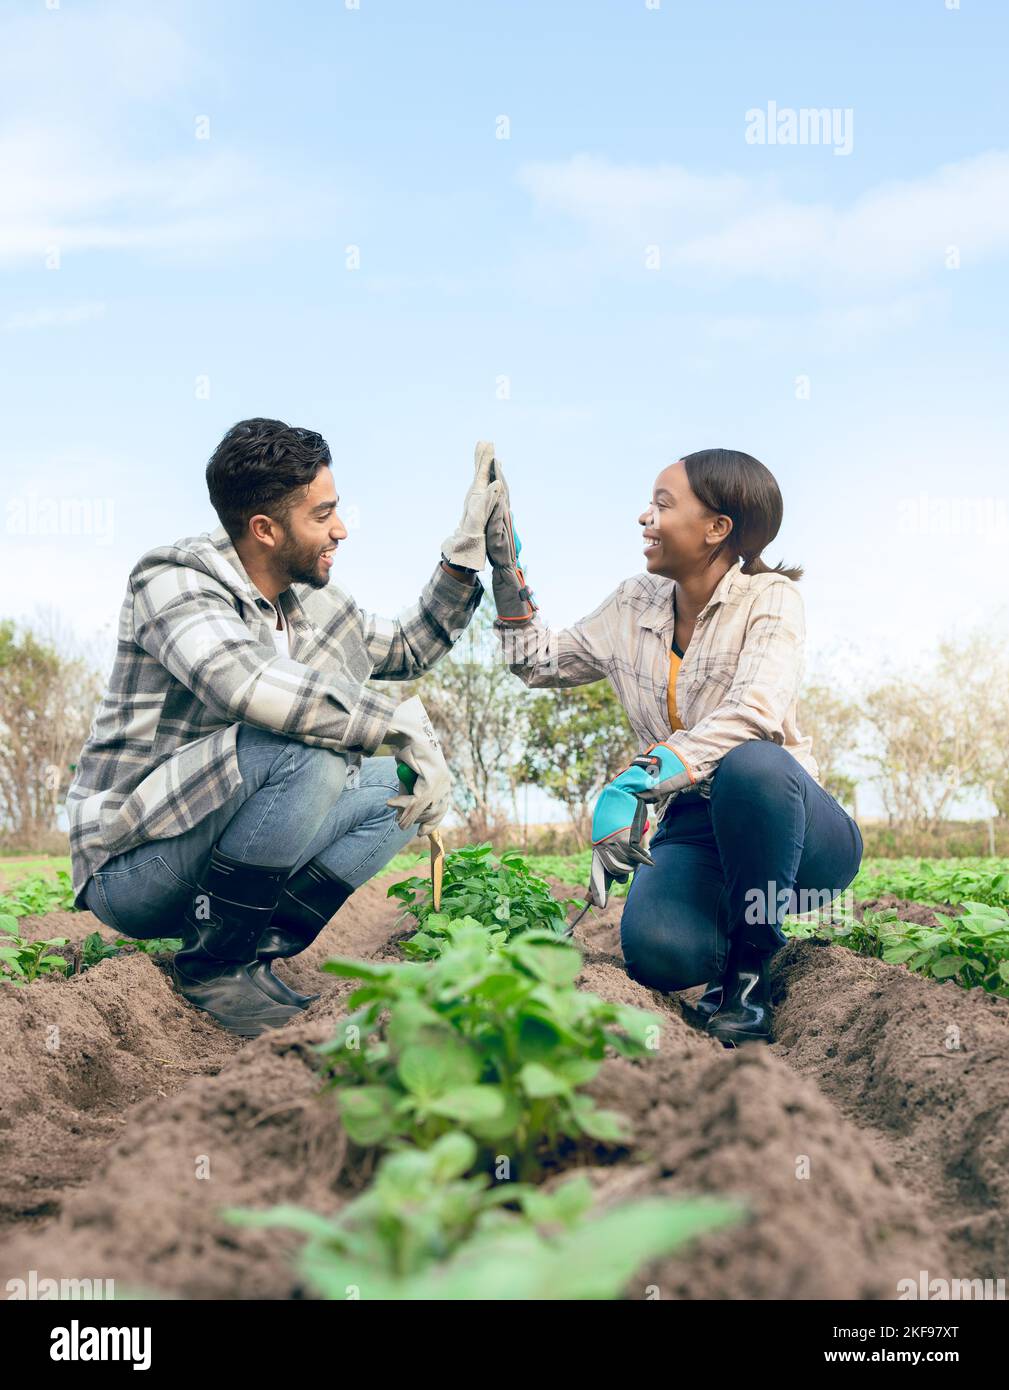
(971, 948)
(38, 894)
(936, 880)
(481, 1043)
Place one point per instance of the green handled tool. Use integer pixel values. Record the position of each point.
(409, 780)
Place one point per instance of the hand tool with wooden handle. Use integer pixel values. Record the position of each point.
(409, 779)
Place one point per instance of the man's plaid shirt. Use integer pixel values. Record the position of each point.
(195, 659)
(739, 678)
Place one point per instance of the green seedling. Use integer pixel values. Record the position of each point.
(501, 892)
(95, 948)
(424, 1230)
(491, 1039)
(36, 895)
(971, 949)
(21, 961)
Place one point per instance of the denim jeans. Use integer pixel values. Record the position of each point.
(735, 864)
(295, 803)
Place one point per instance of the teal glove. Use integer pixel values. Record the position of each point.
(512, 595)
(667, 772)
(618, 821)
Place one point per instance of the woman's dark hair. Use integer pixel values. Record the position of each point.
(258, 467)
(740, 487)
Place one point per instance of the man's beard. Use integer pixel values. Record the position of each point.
(302, 564)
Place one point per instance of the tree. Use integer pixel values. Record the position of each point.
(939, 734)
(833, 724)
(47, 700)
(577, 741)
(977, 668)
(477, 707)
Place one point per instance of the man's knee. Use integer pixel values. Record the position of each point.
(382, 774)
(321, 768)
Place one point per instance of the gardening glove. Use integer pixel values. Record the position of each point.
(618, 824)
(666, 772)
(619, 819)
(512, 595)
(467, 546)
(416, 744)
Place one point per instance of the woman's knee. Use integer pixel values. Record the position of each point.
(758, 767)
(664, 951)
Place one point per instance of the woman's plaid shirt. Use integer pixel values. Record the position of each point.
(739, 678)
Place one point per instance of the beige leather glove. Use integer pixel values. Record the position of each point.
(412, 735)
(467, 545)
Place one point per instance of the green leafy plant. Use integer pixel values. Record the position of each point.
(36, 895)
(980, 880)
(153, 945)
(95, 949)
(972, 948)
(500, 892)
(21, 961)
(491, 1039)
(424, 1230)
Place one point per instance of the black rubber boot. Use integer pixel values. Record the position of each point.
(218, 969)
(310, 898)
(745, 1014)
(711, 1000)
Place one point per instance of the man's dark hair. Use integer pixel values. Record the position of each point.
(259, 466)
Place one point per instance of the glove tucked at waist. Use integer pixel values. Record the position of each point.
(412, 735)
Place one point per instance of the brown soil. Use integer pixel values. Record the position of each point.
(870, 1141)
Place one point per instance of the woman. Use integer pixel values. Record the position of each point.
(706, 656)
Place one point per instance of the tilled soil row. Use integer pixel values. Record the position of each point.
(864, 1148)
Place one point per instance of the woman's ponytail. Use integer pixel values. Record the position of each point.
(740, 487)
(755, 565)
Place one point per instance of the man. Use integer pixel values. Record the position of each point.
(228, 792)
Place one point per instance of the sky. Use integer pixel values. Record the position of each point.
(601, 233)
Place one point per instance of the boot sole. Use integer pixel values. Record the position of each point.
(244, 1027)
(247, 1028)
(733, 1037)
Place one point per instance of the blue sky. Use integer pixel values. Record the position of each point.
(622, 280)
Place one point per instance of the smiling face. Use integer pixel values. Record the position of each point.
(311, 533)
(679, 531)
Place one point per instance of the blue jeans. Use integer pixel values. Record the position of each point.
(735, 864)
(295, 804)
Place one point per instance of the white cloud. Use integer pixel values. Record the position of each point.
(828, 329)
(91, 60)
(65, 190)
(733, 226)
(80, 169)
(52, 317)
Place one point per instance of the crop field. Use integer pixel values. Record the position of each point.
(481, 1106)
